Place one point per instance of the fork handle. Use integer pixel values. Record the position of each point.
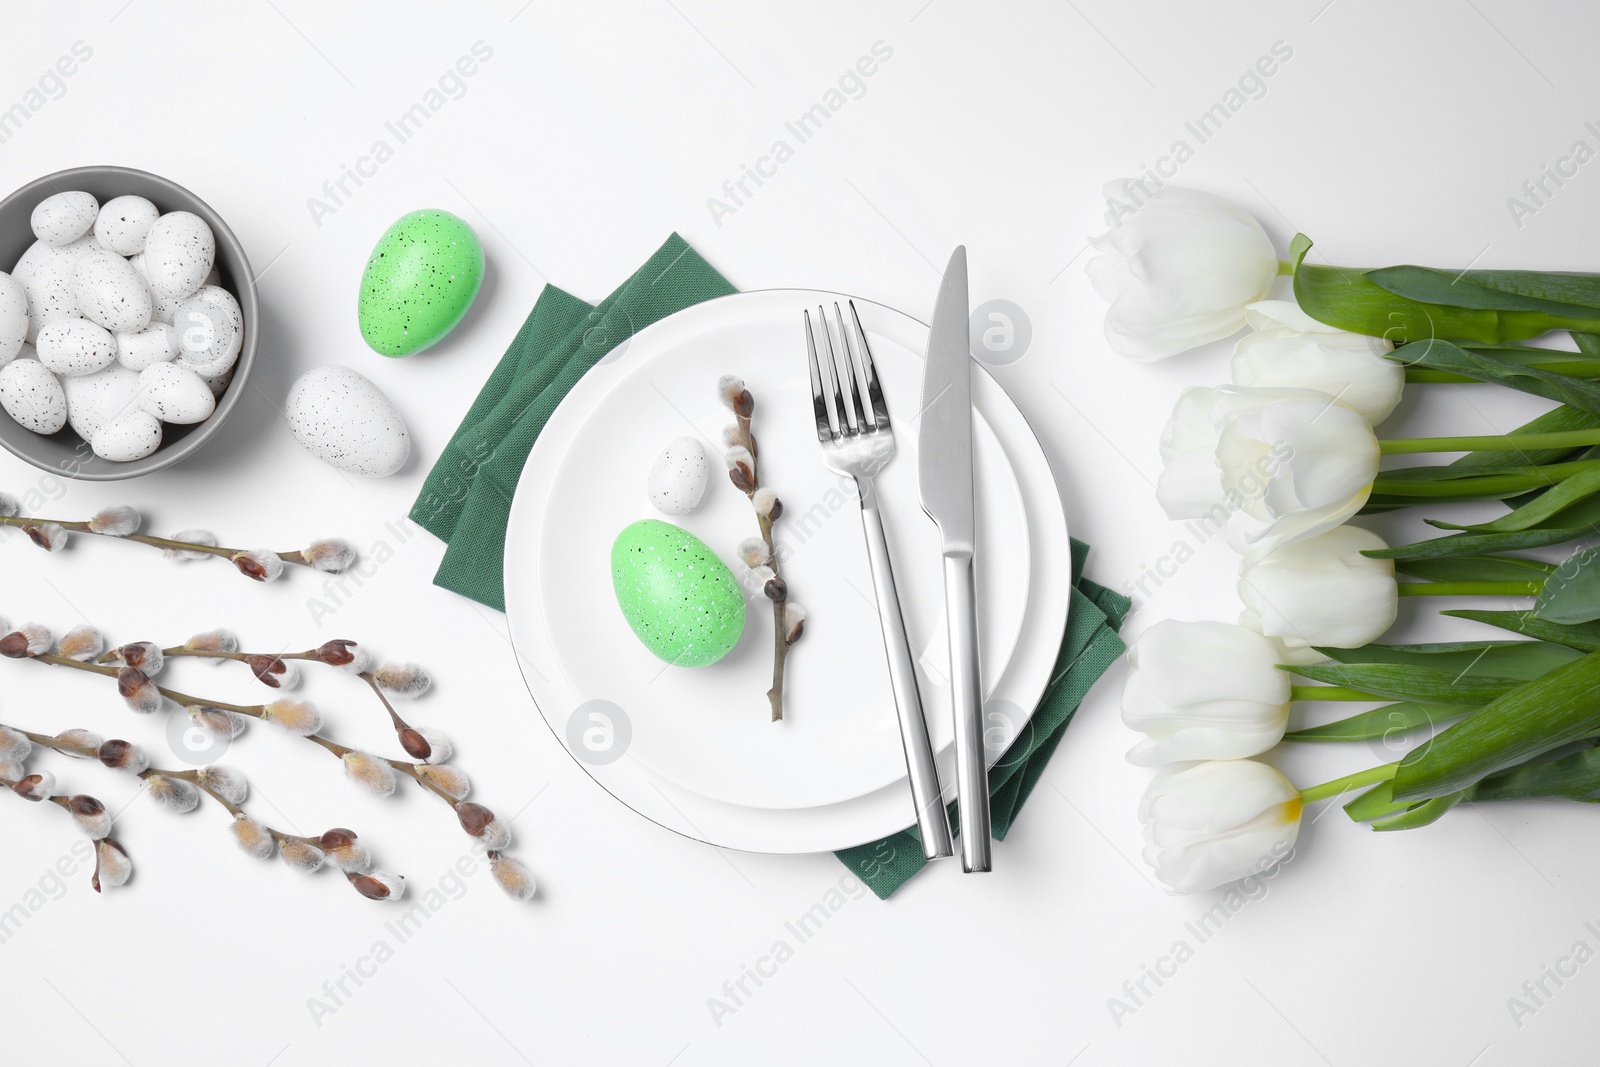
(932, 822)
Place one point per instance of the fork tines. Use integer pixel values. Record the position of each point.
(842, 374)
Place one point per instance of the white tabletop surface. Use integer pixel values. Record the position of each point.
(1395, 133)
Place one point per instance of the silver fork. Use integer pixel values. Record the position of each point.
(853, 426)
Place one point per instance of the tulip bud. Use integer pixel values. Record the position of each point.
(258, 564)
(224, 782)
(404, 681)
(301, 855)
(82, 644)
(253, 837)
(122, 755)
(1292, 350)
(1178, 269)
(35, 787)
(295, 716)
(115, 522)
(90, 815)
(48, 536)
(513, 877)
(379, 885)
(139, 691)
(446, 779)
(193, 537)
(1321, 591)
(332, 555)
(1203, 690)
(112, 867)
(369, 771)
(179, 794)
(1208, 824)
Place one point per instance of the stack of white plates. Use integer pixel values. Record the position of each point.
(694, 749)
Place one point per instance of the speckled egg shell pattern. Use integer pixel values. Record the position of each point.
(97, 400)
(45, 272)
(179, 252)
(174, 393)
(64, 217)
(347, 422)
(678, 477)
(110, 292)
(33, 396)
(209, 330)
(156, 343)
(419, 282)
(76, 346)
(132, 436)
(13, 318)
(677, 596)
(123, 224)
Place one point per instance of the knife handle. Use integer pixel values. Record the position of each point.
(932, 822)
(972, 776)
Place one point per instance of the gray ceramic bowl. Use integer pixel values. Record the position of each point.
(65, 453)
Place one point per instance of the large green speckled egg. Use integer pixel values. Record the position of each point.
(679, 597)
(419, 282)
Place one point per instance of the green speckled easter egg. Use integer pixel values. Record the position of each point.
(419, 282)
(680, 599)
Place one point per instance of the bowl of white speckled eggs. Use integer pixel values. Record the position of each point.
(128, 318)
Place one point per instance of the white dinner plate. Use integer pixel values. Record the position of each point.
(693, 748)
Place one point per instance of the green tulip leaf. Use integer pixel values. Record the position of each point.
(1557, 420)
(1569, 296)
(1572, 593)
(1476, 569)
(1429, 811)
(1437, 354)
(1588, 343)
(1395, 681)
(1375, 803)
(1585, 637)
(1575, 777)
(1386, 723)
(1471, 544)
(1519, 660)
(1557, 709)
(1562, 496)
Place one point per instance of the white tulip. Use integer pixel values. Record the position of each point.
(1190, 485)
(1203, 690)
(1296, 467)
(1321, 591)
(1178, 271)
(1290, 349)
(1209, 824)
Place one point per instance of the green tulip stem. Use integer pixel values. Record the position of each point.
(1329, 692)
(1487, 485)
(1512, 442)
(1340, 786)
(1577, 368)
(1285, 269)
(1470, 588)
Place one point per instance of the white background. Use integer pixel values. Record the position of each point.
(1395, 133)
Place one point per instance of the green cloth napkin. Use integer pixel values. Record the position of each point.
(466, 500)
(1089, 646)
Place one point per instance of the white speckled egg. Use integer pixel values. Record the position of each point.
(76, 346)
(13, 318)
(162, 307)
(133, 436)
(33, 396)
(123, 223)
(678, 477)
(96, 400)
(218, 383)
(210, 331)
(65, 217)
(346, 421)
(156, 343)
(45, 272)
(110, 292)
(27, 351)
(179, 251)
(174, 393)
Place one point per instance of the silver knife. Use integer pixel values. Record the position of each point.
(944, 474)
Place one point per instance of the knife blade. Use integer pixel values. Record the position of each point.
(945, 481)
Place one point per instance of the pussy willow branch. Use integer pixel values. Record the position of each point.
(66, 802)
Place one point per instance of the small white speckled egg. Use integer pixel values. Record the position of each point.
(210, 331)
(97, 400)
(678, 477)
(110, 292)
(13, 318)
(123, 223)
(33, 396)
(179, 251)
(218, 383)
(75, 347)
(174, 393)
(133, 436)
(65, 217)
(346, 421)
(156, 343)
(27, 351)
(45, 272)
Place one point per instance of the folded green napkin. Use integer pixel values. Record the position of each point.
(466, 501)
(1089, 646)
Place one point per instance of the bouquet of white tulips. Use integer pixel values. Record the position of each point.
(1282, 458)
